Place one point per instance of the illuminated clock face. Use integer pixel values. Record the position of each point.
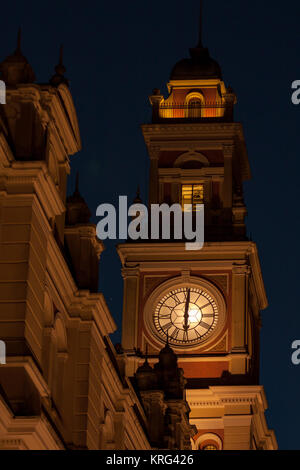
(186, 316)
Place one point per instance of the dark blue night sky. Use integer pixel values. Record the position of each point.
(116, 52)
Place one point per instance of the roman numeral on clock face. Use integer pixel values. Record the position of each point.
(185, 336)
(176, 299)
(205, 305)
(175, 333)
(204, 325)
(167, 326)
(198, 336)
(164, 316)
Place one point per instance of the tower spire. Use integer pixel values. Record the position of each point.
(137, 199)
(18, 50)
(200, 65)
(200, 25)
(60, 70)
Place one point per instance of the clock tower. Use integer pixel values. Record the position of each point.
(205, 303)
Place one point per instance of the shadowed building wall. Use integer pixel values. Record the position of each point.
(61, 386)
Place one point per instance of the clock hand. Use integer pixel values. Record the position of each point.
(186, 311)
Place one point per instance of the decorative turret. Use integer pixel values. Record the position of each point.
(165, 376)
(80, 238)
(169, 375)
(197, 91)
(77, 209)
(162, 392)
(146, 377)
(15, 69)
(60, 70)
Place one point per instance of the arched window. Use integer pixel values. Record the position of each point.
(194, 105)
(191, 160)
(208, 441)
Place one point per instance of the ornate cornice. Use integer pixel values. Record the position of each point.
(227, 395)
(199, 128)
(199, 136)
(34, 178)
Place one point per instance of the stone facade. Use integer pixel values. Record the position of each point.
(61, 386)
(64, 385)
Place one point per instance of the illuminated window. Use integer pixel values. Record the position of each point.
(208, 441)
(194, 108)
(194, 103)
(210, 447)
(192, 194)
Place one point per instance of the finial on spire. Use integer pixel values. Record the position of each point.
(77, 209)
(18, 50)
(137, 199)
(60, 70)
(200, 65)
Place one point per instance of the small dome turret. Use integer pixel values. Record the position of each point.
(199, 66)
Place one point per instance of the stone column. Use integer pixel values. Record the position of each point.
(227, 185)
(240, 281)
(153, 187)
(130, 309)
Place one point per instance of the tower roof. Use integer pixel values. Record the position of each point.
(15, 68)
(199, 65)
